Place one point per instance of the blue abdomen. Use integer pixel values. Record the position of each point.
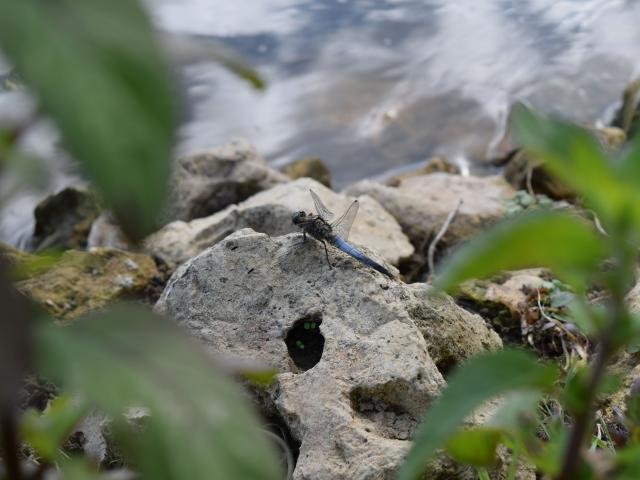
(349, 249)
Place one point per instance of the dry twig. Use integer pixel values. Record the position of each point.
(445, 226)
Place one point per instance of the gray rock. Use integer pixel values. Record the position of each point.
(270, 212)
(207, 182)
(422, 203)
(356, 372)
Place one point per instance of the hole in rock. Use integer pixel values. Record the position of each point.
(446, 366)
(305, 343)
(381, 415)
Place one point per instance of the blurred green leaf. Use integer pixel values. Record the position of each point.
(79, 469)
(514, 407)
(237, 66)
(47, 431)
(261, 378)
(558, 241)
(480, 379)
(628, 462)
(630, 165)
(185, 48)
(475, 446)
(574, 394)
(98, 73)
(575, 156)
(547, 456)
(29, 265)
(199, 423)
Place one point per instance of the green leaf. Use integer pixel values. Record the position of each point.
(514, 408)
(574, 394)
(480, 379)
(475, 446)
(189, 48)
(79, 469)
(199, 422)
(628, 462)
(575, 156)
(47, 431)
(558, 241)
(97, 71)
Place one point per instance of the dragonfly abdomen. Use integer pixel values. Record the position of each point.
(349, 249)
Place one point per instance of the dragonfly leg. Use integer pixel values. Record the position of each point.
(326, 252)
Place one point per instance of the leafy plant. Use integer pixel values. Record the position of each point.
(98, 73)
(582, 257)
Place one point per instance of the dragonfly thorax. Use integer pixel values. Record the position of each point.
(314, 225)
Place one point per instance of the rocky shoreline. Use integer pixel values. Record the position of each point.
(359, 356)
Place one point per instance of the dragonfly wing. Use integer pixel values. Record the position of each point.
(322, 210)
(342, 226)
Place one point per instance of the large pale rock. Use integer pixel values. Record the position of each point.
(352, 346)
(81, 281)
(422, 203)
(207, 182)
(270, 212)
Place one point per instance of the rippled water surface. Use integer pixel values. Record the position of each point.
(375, 85)
(372, 86)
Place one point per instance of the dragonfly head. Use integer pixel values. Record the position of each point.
(298, 217)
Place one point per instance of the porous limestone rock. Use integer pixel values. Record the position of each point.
(270, 212)
(422, 203)
(207, 182)
(353, 347)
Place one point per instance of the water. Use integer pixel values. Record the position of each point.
(373, 86)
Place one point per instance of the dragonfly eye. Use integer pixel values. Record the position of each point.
(298, 217)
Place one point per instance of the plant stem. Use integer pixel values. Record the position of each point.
(608, 346)
(9, 442)
(584, 419)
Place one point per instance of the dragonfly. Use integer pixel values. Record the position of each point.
(324, 229)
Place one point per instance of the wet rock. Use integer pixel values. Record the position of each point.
(63, 220)
(309, 167)
(106, 233)
(270, 212)
(356, 372)
(525, 172)
(83, 281)
(434, 165)
(421, 204)
(522, 171)
(207, 182)
(627, 116)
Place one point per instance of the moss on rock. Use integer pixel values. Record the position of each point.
(83, 281)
